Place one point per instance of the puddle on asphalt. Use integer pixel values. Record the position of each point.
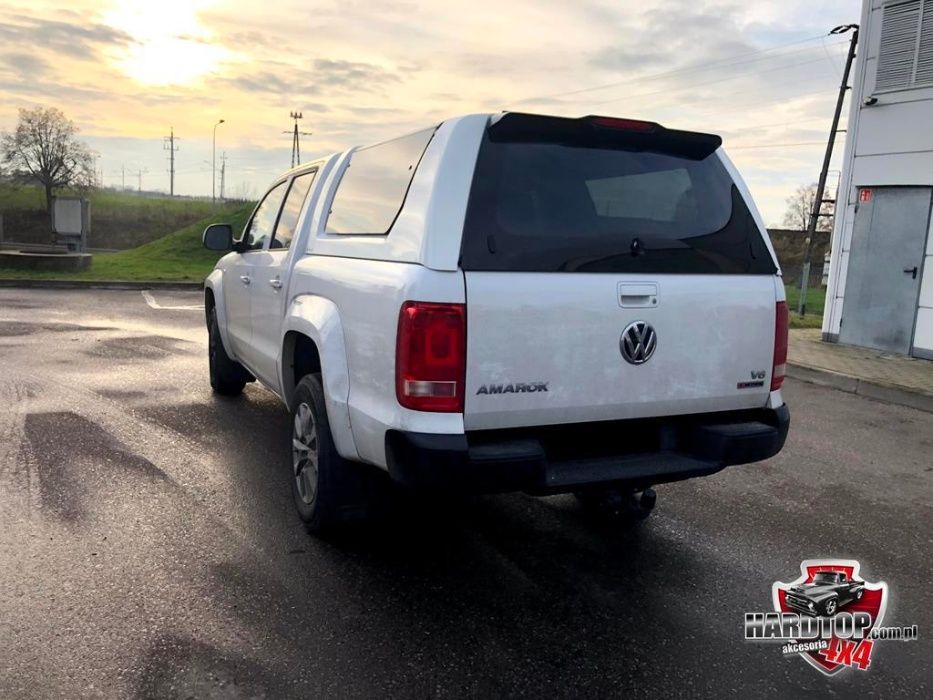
(75, 459)
(9, 329)
(148, 347)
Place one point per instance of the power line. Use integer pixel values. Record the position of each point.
(775, 145)
(139, 178)
(785, 123)
(296, 147)
(722, 107)
(223, 171)
(720, 63)
(711, 82)
(169, 145)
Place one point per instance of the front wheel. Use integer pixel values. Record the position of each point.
(328, 490)
(228, 377)
(830, 607)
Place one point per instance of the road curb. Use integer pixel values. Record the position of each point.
(88, 284)
(854, 385)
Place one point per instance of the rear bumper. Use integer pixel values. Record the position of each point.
(558, 459)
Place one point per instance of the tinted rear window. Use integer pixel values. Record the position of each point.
(587, 201)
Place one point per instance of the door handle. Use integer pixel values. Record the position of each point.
(244, 279)
(912, 271)
(276, 283)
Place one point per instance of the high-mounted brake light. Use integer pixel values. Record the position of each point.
(430, 356)
(624, 124)
(779, 366)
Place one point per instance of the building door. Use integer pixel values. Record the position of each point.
(885, 265)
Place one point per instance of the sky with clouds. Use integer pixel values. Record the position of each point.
(764, 75)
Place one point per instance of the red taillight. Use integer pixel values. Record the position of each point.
(624, 124)
(430, 356)
(779, 366)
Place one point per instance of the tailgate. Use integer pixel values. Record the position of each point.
(545, 348)
(613, 270)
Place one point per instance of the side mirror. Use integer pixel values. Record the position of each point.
(218, 237)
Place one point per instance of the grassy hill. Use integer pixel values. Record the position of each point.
(119, 220)
(177, 257)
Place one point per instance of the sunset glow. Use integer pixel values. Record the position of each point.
(130, 71)
(170, 46)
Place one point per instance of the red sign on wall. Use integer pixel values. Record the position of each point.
(864, 194)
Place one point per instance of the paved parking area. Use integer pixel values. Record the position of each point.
(884, 369)
(148, 546)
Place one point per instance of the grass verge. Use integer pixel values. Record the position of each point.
(177, 257)
(816, 297)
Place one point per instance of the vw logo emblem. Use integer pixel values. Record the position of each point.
(638, 342)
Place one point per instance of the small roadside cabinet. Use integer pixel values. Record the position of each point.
(71, 222)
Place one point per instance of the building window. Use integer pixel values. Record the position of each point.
(905, 59)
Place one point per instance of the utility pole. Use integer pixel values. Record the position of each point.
(223, 170)
(123, 177)
(139, 179)
(169, 145)
(296, 146)
(214, 161)
(818, 200)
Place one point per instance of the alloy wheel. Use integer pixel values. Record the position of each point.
(305, 453)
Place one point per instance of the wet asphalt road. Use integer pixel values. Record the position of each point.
(148, 545)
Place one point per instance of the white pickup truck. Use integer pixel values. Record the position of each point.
(507, 302)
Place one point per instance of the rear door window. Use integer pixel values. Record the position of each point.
(373, 187)
(291, 210)
(575, 198)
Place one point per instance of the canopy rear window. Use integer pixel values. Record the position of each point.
(601, 195)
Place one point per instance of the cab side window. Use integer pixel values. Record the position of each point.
(294, 202)
(260, 227)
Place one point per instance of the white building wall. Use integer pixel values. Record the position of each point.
(923, 335)
(889, 143)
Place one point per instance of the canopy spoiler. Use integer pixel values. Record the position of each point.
(602, 132)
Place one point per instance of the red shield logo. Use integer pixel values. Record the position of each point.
(827, 587)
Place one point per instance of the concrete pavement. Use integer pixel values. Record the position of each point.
(904, 380)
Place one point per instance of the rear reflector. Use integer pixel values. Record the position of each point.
(430, 356)
(779, 366)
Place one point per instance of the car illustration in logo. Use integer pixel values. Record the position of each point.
(808, 620)
(825, 594)
(828, 585)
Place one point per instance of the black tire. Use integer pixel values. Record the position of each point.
(338, 491)
(830, 607)
(228, 377)
(626, 506)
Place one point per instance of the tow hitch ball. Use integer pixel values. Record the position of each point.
(648, 499)
(630, 504)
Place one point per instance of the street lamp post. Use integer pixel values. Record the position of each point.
(214, 164)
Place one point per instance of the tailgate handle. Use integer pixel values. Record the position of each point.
(638, 295)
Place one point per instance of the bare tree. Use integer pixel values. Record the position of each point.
(799, 207)
(45, 148)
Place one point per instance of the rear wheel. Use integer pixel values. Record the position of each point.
(328, 490)
(228, 377)
(624, 505)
